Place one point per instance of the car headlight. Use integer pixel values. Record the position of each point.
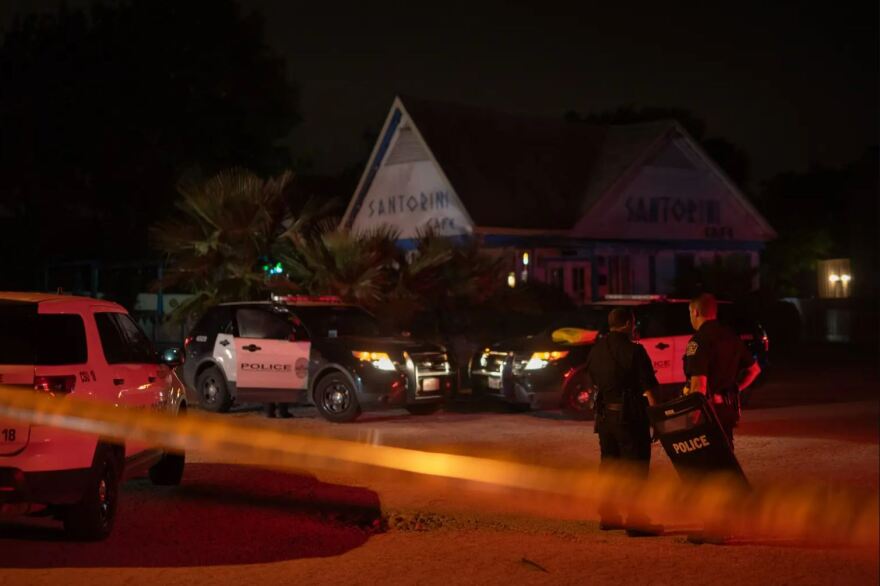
(380, 360)
(484, 358)
(542, 359)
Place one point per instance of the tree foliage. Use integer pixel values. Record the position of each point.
(217, 243)
(227, 226)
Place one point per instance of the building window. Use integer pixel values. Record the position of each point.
(619, 275)
(577, 282)
(557, 278)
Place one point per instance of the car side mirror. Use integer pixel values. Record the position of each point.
(172, 357)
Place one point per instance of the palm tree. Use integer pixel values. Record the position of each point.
(226, 225)
(325, 258)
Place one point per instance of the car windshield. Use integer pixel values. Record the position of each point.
(337, 321)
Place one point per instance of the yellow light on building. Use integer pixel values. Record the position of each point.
(525, 259)
(511, 280)
(833, 278)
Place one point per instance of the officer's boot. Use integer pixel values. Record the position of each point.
(639, 525)
(609, 518)
(283, 411)
(269, 409)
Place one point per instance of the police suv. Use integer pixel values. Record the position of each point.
(541, 371)
(75, 346)
(312, 350)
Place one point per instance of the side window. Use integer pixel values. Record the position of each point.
(300, 334)
(679, 320)
(651, 323)
(140, 348)
(217, 320)
(256, 323)
(112, 340)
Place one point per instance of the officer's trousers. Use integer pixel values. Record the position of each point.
(728, 416)
(623, 443)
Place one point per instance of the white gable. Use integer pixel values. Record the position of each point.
(404, 187)
(675, 193)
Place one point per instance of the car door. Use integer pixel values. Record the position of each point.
(132, 365)
(654, 337)
(269, 355)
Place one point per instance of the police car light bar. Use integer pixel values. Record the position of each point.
(307, 299)
(622, 297)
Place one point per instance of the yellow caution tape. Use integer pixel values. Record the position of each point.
(804, 512)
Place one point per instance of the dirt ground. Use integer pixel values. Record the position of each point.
(232, 524)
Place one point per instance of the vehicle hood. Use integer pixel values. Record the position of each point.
(536, 343)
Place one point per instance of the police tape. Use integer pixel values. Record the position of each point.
(808, 513)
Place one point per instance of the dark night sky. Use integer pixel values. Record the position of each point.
(791, 83)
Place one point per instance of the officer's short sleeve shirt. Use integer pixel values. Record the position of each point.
(716, 352)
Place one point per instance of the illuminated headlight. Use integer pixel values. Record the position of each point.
(484, 358)
(380, 360)
(543, 359)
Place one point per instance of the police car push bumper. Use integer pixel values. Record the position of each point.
(504, 377)
(383, 380)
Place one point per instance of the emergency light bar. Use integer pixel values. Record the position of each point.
(307, 299)
(635, 297)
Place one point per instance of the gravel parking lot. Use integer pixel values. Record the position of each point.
(233, 524)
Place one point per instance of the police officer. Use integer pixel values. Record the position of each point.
(717, 363)
(624, 377)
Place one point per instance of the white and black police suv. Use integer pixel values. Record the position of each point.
(312, 350)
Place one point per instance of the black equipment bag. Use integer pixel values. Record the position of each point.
(689, 431)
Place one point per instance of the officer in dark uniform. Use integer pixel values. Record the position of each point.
(624, 377)
(717, 363)
(280, 410)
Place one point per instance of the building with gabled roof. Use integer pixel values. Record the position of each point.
(593, 209)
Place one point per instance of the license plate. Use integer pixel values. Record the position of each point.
(494, 383)
(430, 384)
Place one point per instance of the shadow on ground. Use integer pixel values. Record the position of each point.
(220, 515)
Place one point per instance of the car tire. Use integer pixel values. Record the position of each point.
(213, 391)
(575, 398)
(423, 409)
(336, 399)
(93, 517)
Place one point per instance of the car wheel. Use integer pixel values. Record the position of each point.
(336, 400)
(423, 409)
(576, 398)
(92, 518)
(213, 393)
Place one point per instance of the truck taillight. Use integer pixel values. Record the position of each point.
(187, 341)
(766, 342)
(55, 384)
